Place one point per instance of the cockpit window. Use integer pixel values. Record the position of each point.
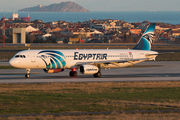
(20, 56)
(16, 56)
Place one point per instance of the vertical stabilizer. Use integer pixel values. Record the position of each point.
(146, 39)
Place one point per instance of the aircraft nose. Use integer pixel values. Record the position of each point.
(13, 62)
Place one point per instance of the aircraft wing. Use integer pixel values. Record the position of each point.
(109, 61)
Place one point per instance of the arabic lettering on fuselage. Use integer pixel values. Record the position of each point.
(89, 56)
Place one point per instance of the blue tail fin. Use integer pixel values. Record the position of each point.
(146, 39)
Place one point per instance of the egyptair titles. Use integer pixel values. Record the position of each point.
(93, 56)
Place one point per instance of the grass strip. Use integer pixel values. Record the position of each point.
(138, 116)
(88, 97)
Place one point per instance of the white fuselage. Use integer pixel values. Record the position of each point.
(67, 59)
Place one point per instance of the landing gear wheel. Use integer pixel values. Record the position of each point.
(97, 74)
(73, 74)
(27, 75)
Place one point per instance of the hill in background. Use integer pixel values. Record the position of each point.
(61, 7)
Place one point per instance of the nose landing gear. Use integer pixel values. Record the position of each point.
(27, 74)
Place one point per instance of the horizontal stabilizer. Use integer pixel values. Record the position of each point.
(160, 53)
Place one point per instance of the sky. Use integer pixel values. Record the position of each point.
(98, 5)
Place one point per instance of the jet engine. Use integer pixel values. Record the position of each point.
(89, 69)
(53, 70)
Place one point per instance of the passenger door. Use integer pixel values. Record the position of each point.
(33, 57)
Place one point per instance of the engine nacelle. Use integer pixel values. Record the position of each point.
(53, 70)
(89, 69)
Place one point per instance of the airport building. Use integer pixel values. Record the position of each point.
(19, 35)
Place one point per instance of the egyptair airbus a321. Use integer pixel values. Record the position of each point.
(87, 61)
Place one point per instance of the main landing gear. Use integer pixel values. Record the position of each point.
(97, 74)
(73, 73)
(27, 74)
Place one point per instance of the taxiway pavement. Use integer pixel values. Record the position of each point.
(167, 71)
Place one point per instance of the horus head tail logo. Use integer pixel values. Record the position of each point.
(149, 37)
(56, 59)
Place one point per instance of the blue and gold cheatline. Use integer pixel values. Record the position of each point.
(57, 59)
(147, 38)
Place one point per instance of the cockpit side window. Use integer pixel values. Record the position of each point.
(16, 56)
